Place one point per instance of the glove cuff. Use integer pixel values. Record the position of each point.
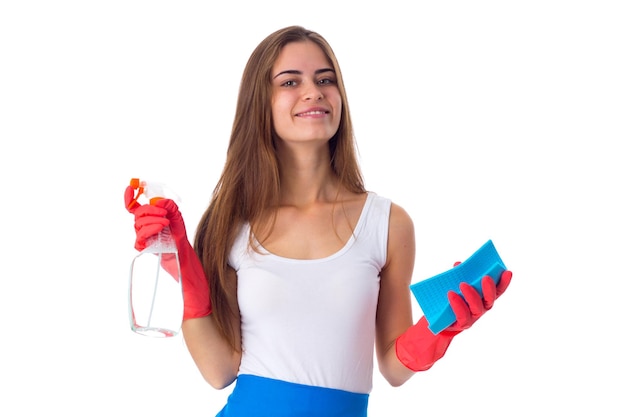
(196, 294)
(418, 348)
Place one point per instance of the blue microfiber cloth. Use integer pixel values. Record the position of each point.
(432, 293)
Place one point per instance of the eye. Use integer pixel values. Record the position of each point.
(289, 83)
(326, 81)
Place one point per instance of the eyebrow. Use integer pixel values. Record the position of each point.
(297, 72)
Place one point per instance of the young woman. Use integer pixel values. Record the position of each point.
(299, 275)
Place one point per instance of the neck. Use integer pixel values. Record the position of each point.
(306, 176)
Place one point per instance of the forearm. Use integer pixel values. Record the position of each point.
(216, 360)
(391, 368)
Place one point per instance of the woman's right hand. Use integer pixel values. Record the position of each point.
(150, 220)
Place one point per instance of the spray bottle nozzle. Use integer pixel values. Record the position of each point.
(154, 191)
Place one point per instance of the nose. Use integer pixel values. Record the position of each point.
(313, 93)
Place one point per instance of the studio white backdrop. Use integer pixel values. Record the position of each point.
(484, 120)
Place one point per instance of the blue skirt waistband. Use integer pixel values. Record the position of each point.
(255, 396)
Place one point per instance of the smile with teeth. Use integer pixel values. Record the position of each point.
(313, 113)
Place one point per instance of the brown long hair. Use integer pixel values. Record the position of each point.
(249, 186)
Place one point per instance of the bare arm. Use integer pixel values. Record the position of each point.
(416, 346)
(394, 315)
(216, 360)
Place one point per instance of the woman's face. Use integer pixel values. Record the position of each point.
(306, 104)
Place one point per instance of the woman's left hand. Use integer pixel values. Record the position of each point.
(471, 306)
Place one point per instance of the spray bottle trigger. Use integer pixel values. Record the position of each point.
(134, 182)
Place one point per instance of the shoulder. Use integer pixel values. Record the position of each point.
(400, 222)
(401, 226)
(401, 238)
(399, 217)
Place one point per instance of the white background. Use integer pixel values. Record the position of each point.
(483, 119)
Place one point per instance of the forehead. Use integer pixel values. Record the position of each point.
(301, 55)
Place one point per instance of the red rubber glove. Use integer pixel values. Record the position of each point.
(418, 348)
(150, 220)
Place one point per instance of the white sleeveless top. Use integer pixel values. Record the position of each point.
(312, 321)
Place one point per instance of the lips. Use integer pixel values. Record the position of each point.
(318, 111)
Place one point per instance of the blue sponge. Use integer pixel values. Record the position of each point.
(432, 293)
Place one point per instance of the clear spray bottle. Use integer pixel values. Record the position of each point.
(155, 297)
